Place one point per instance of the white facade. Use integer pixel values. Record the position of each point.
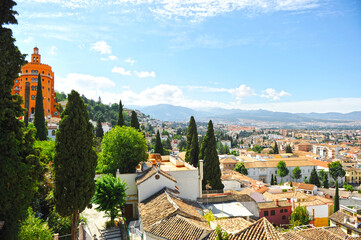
(153, 185)
(232, 184)
(264, 174)
(187, 183)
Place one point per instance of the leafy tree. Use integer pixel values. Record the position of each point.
(289, 149)
(75, 160)
(296, 173)
(182, 144)
(60, 96)
(221, 235)
(134, 121)
(192, 153)
(208, 152)
(275, 148)
(325, 181)
(123, 148)
(348, 187)
(120, 115)
(314, 178)
(299, 217)
(39, 121)
(272, 180)
(164, 132)
(257, 148)
(282, 169)
(110, 196)
(34, 228)
(241, 168)
(99, 129)
(336, 170)
(336, 203)
(19, 163)
(158, 144)
(209, 217)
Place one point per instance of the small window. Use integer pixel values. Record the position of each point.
(43, 72)
(281, 211)
(48, 81)
(48, 89)
(157, 177)
(32, 97)
(286, 210)
(48, 99)
(26, 71)
(48, 111)
(56, 113)
(43, 87)
(273, 212)
(43, 79)
(265, 213)
(283, 217)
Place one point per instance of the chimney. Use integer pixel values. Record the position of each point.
(200, 177)
(277, 203)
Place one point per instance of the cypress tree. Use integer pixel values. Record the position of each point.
(336, 204)
(18, 159)
(158, 144)
(120, 115)
(192, 153)
(134, 121)
(288, 149)
(208, 152)
(39, 121)
(275, 148)
(325, 181)
(74, 162)
(314, 178)
(99, 129)
(275, 180)
(272, 181)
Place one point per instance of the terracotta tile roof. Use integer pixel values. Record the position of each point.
(178, 228)
(232, 225)
(320, 163)
(285, 195)
(159, 211)
(290, 162)
(228, 160)
(339, 218)
(327, 233)
(268, 205)
(261, 190)
(306, 186)
(150, 172)
(260, 230)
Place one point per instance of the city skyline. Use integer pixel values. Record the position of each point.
(294, 56)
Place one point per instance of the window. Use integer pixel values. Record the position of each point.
(48, 111)
(32, 97)
(283, 217)
(286, 210)
(43, 72)
(26, 71)
(56, 113)
(48, 99)
(16, 81)
(43, 81)
(265, 213)
(48, 89)
(281, 211)
(32, 110)
(273, 212)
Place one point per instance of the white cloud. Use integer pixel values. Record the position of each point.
(144, 74)
(52, 50)
(121, 71)
(109, 58)
(273, 94)
(102, 47)
(82, 82)
(130, 61)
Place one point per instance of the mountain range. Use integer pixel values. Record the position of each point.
(166, 112)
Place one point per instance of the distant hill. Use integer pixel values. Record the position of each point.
(167, 112)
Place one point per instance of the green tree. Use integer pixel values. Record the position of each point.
(336, 170)
(167, 144)
(282, 169)
(39, 121)
(314, 178)
(275, 180)
(34, 228)
(272, 180)
(120, 115)
(325, 181)
(75, 160)
(221, 235)
(336, 203)
(192, 153)
(257, 148)
(208, 152)
(241, 168)
(18, 160)
(289, 149)
(182, 144)
(296, 173)
(99, 129)
(110, 196)
(158, 144)
(299, 217)
(275, 148)
(123, 148)
(134, 121)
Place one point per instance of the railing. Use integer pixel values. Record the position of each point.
(65, 237)
(135, 233)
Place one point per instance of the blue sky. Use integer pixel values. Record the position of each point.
(279, 55)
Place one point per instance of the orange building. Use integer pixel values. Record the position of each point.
(29, 75)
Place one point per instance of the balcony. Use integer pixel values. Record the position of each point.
(35, 74)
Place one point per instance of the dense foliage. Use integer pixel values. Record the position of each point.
(242, 169)
(192, 152)
(20, 168)
(39, 121)
(99, 133)
(110, 196)
(134, 121)
(123, 148)
(75, 160)
(208, 152)
(296, 173)
(299, 217)
(34, 228)
(158, 144)
(282, 169)
(336, 202)
(336, 170)
(314, 178)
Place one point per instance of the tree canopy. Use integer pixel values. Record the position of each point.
(158, 144)
(123, 148)
(299, 217)
(99, 132)
(208, 152)
(241, 169)
(336, 170)
(134, 121)
(296, 173)
(75, 159)
(110, 195)
(288, 149)
(39, 121)
(275, 148)
(282, 169)
(120, 115)
(314, 178)
(192, 153)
